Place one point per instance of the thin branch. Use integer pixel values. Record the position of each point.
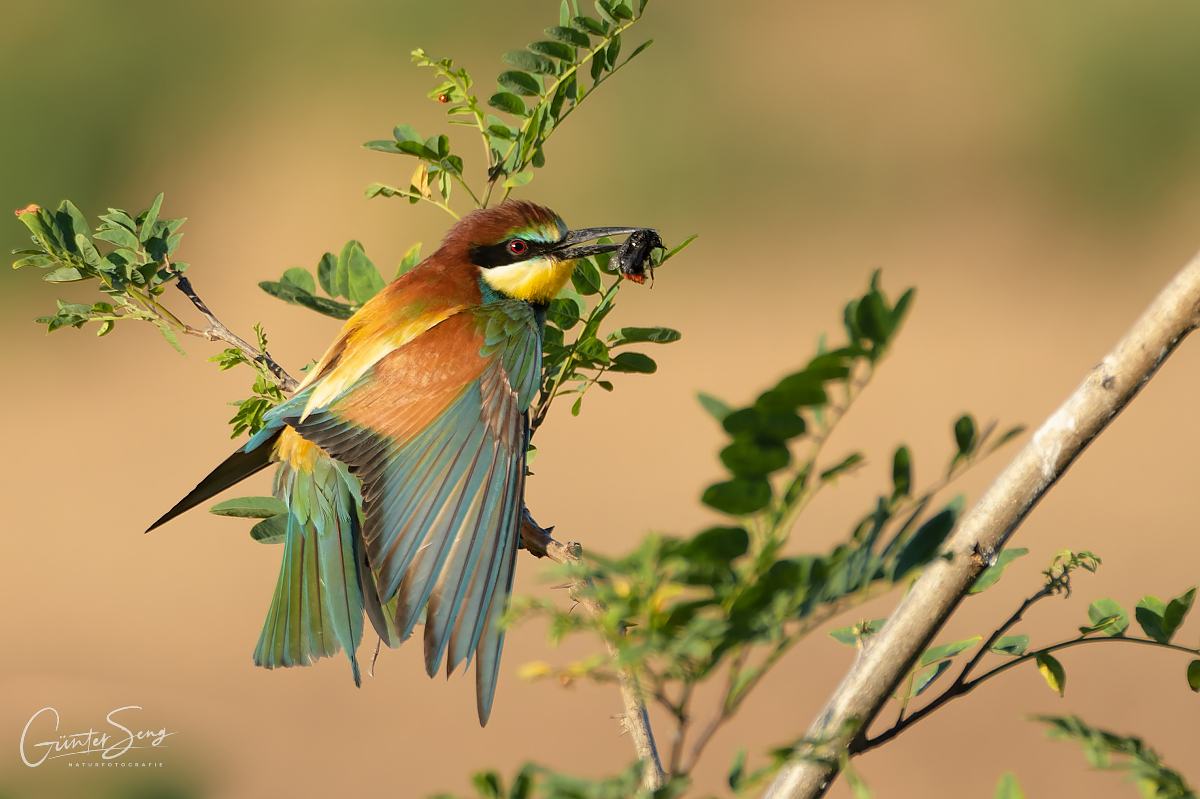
(880, 666)
(216, 331)
(962, 688)
(723, 714)
(682, 719)
(957, 688)
(636, 720)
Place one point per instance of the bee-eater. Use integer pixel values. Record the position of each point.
(402, 453)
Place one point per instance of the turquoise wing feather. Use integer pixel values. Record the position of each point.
(437, 432)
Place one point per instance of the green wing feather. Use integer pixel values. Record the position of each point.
(437, 432)
(319, 598)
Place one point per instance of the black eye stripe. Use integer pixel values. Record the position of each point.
(509, 251)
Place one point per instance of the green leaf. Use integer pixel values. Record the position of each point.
(586, 278)
(321, 305)
(1107, 616)
(639, 50)
(638, 335)
(850, 636)
(563, 52)
(901, 472)
(487, 784)
(566, 309)
(926, 678)
(146, 231)
(523, 783)
(1052, 671)
(119, 236)
(634, 362)
(71, 224)
(270, 531)
(64, 274)
(739, 496)
(410, 259)
(518, 180)
(802, 389)
(572, 36)
(964, 435)
(36, 259)
(755, 458)
(613, 52)
(753, 422)
(530, 62)
(357, 278)
(948, 650)
(118, 218)
(605, 11)
(923, 546)
(1008, 788)
(1176, 612)
(1014, 645)
(737, 772)
(509, 103)
(171, 338)
(672, 253)
(716, 545)
(1149, 614)
(715, 407)
(91, 256)
(249, 508)
(1193, 675)
(301, 279)
(407, 133)
(520, 83)
(383, 146)
(621, 10)
(993, 573)
(831, 474)
(327, 274)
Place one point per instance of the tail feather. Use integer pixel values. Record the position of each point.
(317, 608)
(233, 470)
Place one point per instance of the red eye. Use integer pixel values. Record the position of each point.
(517, 247)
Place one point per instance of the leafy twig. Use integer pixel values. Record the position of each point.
(963, 687)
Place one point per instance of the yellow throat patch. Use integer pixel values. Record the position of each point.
(537, 280)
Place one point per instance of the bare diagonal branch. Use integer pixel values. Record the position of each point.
(216, 331)
(882, 664)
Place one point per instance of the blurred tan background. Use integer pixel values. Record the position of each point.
(1034, 168)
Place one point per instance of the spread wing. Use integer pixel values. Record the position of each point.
(437, 432)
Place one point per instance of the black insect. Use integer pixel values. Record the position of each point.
(633, 256)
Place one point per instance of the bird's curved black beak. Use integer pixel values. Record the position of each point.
(566, 249)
